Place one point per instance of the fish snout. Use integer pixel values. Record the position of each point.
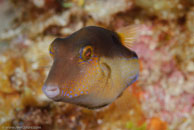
(51, 91)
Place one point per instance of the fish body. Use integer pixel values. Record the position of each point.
(91, 68)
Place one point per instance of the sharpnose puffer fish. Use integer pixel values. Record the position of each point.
(92, 67)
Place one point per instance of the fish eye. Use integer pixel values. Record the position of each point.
(51, 50)
(86, 53)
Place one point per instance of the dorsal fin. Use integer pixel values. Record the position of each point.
(128, 34)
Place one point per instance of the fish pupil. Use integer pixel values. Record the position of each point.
(88, 53)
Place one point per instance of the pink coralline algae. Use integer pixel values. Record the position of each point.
(164, 84)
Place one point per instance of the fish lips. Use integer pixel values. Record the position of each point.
(52, 92)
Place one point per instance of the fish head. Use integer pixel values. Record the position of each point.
(91, 68)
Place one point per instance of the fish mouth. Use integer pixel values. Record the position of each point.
(51, 91)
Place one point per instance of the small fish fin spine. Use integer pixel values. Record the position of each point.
(128, 34)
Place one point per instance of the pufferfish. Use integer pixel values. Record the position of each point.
(92, 67)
